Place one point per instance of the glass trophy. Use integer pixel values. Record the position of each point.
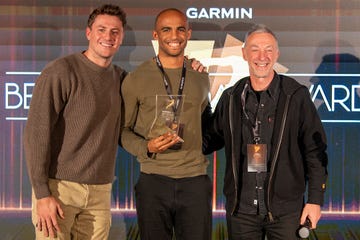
(167, 115)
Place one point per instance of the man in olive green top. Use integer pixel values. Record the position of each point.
(173, 193)
(72, 132)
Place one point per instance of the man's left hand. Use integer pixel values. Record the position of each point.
(197, 65)
(311, 212)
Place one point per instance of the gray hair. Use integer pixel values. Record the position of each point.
(259, 28)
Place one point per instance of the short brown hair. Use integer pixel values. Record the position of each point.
(107, 9)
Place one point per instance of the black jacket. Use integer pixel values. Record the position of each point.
(298, 148)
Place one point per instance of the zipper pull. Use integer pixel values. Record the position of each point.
(271, 218)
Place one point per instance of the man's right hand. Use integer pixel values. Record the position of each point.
(48, 209)
(163, 142)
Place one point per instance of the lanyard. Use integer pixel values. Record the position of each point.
(167, 83)
(256, 126)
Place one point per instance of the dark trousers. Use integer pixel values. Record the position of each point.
(167, 206)
(255, 227)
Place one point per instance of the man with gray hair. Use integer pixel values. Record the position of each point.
(274, 145)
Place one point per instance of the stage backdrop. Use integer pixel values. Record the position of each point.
(319, 43)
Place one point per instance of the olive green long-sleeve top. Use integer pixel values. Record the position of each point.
(73, 123)
(139, 92)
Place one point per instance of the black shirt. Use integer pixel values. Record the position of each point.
(260, 106)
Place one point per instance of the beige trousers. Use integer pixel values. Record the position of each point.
(86, 210)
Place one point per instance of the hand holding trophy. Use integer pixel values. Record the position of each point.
(167, 118)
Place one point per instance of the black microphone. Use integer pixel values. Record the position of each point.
(304, 230)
